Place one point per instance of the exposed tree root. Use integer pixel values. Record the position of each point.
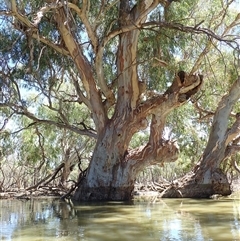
(184, 187)
(187, 187)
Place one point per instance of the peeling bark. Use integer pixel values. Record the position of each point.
(207, 178)
(85, 70)
(113, 169)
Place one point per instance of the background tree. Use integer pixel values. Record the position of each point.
(37, 155)
(120, 59)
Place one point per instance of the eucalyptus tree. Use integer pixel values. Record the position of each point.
(131, 63)
(37, 155)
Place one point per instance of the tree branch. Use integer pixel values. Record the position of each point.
(82, 14)
(234, 131)
(84, 68)
(23, 111)
(191, 29)
(33, 25)
(219, 137)
(48, 178)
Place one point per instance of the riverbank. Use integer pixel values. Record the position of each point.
(140, 190)
(26, 194)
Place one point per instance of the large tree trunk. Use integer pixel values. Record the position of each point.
(207, 178)
(113, 168)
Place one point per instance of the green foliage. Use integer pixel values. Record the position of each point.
(191, 135)
(139, 139)
(38, 79)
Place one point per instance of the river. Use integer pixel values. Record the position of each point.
(140, 220)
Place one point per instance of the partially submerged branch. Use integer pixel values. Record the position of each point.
(48, 178)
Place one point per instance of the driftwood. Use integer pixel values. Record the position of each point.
(43, 191)
(49, 178)
(148, 189)
(43, 187)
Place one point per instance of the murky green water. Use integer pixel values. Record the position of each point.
(166, 219)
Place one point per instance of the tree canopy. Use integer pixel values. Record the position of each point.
(129, 78)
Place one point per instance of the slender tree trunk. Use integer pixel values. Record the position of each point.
(207, 178)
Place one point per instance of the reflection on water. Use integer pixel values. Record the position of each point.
(163, 219)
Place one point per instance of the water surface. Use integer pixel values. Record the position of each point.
(141, 220)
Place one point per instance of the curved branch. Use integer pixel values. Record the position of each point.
(175, 26)
(98, 51)
(212, 43)
(82, 14)
(81, 97)
(23, 111)
(190, 29)
(234, 131)
(143, 9)
(33, 25)
(84, 68)
(46, 41)
(165, 151)
(48, 178)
